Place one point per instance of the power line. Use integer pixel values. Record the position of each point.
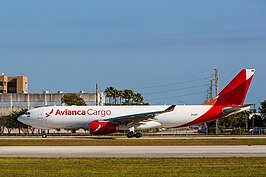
(174, 97)
(145, 81)
(174, 90)
(170, 84)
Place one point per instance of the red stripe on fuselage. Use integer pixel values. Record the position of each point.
(212, 114)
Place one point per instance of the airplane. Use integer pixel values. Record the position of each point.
(101, 120)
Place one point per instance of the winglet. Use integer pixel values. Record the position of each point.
(171, 108)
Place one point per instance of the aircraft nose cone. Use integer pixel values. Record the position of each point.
(21, 118)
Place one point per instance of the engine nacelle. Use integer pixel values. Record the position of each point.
(148, 125)
(102, 128)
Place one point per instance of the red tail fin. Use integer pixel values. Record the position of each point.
(235, 92)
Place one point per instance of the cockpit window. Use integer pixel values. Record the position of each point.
(27, 114)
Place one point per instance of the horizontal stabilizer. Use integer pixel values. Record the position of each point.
(230, 110)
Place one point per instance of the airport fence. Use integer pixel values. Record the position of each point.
(172, 132)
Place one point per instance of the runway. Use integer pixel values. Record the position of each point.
(118, 137)
(133, 151)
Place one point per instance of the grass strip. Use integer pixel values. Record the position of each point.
(132, 167)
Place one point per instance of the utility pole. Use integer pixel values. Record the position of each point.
(209, 97)
(209, 92)
(97, 101)
(216, 92)
(211, 89)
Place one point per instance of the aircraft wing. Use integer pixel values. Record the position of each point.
(136, 118)
(230, 110)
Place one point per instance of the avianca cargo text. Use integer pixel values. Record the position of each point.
(80, 112)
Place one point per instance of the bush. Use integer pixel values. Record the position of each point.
(238, 131)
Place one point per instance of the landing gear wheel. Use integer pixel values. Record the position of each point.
(130, 134)
(138, 135)
(44, 135)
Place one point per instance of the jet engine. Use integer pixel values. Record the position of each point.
(102, 128)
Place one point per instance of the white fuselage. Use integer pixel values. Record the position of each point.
(76, 117)
(106, 119)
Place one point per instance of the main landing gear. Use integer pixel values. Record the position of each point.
(131, 134)
(44, 135)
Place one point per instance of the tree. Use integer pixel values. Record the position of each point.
(262, 110)
(138, 98)
(257, 121)
(239, 120)
(120, 95)
(125, 97)
(73, 99)
(128, 96)
(12, 120)
(3, 120)
(115, 95)
(110, 93)
(234, 121)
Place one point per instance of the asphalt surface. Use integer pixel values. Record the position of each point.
(133, 151)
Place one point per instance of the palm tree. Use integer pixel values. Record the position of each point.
(109, 93)
(115, 95)
(138, 98)
(120, 95)
(128, 96)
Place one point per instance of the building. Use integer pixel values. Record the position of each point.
(14, 101)
(14, 96)
(17, 84)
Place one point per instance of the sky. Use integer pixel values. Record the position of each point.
(165, 49)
